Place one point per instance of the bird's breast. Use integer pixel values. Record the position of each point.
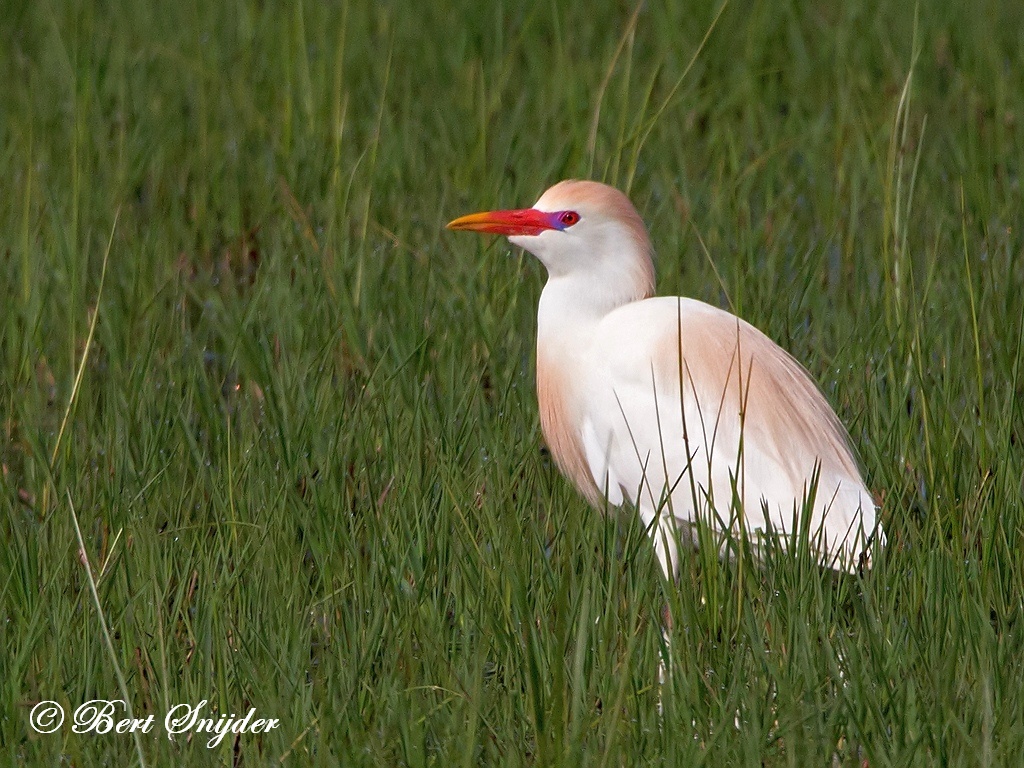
(558, 400)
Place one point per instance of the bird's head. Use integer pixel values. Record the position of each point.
(578, 229)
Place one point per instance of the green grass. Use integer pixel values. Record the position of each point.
(304, 454)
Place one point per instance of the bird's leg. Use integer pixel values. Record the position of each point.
(663, 535)
(666, 629)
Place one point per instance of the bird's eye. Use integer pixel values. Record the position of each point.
(569, 218)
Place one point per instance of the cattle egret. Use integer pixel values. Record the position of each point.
(677, 407)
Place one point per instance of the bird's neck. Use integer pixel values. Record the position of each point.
(572, 305)
(567, 316)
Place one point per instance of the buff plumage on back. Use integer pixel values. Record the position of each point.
(741, 366)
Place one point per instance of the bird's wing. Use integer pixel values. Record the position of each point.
(732, 418)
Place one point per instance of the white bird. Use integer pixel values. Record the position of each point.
(675, 406)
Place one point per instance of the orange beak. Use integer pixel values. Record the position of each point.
(524, 221)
